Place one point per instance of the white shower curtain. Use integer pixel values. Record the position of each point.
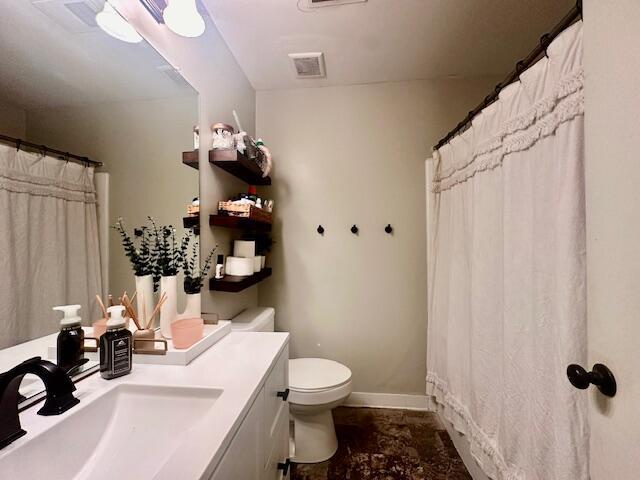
(507, 275)
(49, 252)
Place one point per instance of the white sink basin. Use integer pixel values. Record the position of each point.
(129, 432)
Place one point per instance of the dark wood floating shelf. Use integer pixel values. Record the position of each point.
(193, 223)
(190, 159)
(190, 222)
(239, 166)
(232, 284)
(239, 223)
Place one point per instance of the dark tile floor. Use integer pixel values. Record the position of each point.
(383, 444)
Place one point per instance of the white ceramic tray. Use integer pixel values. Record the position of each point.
(212, 335)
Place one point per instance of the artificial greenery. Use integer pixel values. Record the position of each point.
(168, 255)
(140, 256)
(194, 275)
(156, 252)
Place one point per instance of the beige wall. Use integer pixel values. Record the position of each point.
(13, 120)
(346, 155)
(612, 179)
(211, 69)
(141, 145)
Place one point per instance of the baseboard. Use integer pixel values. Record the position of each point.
(388, 400)
(461, 442)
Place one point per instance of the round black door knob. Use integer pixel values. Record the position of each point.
(320, 229)
(354, 230)
(388, 228)
(600, 376)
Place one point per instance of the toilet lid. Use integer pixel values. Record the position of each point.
(312, 374)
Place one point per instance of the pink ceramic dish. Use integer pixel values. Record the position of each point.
(186, 332)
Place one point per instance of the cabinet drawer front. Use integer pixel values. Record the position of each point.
(279, 449)
(242, 460)
(274, 406)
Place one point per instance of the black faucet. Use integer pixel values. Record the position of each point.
(59, 398)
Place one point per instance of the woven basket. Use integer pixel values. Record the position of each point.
(245, 211)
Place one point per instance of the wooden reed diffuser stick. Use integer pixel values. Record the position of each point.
(124, 300)
(162, 299)
(102, 307)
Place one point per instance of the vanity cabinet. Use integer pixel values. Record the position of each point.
(260, 448)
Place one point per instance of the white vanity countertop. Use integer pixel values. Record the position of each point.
(11, 356)
(238, 364)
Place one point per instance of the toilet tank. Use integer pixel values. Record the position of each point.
(258, 319)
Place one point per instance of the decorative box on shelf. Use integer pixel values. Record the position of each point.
(193, 210)
(244, 211)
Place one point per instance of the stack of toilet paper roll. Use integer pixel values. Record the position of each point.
(244, 261)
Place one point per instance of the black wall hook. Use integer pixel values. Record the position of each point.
(600, 376)
(320, 229)
(388, 229)
(354, 230)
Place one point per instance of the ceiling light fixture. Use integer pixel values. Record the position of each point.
(116, 25)
(183, 18)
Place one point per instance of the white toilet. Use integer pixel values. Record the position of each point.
(316, 386)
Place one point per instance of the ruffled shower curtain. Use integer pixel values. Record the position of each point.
(507, 306)
(49, 252)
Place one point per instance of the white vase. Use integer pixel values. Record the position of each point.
(169, 309)
(145, 302)
(193, 307)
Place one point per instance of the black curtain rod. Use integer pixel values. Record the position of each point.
(42, 148)
(546, 39)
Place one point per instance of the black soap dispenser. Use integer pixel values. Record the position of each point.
(70, 342)
(116, 346)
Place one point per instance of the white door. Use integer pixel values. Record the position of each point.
(612, 169)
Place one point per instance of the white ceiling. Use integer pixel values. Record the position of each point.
(382, 40)
(43, 64)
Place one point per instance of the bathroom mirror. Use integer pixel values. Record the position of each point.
(67, 85)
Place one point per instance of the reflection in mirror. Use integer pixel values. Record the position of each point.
(67, 85)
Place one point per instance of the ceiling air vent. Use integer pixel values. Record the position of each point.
(74, 16)
(84, 12)
(330, 3)
(174, 75)
(308, 65)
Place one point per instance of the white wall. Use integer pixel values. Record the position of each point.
(355, 155)
(612, 178)
(141, 145)
(209, 66)
(13, 120)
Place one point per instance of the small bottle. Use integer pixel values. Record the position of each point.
(196, 138)
(115, 346)
(70, 342)
(219, 267)
(252, 193)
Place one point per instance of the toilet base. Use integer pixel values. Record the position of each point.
(314, 435)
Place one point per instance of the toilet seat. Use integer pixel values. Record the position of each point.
(317, 381)
(316, 374)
